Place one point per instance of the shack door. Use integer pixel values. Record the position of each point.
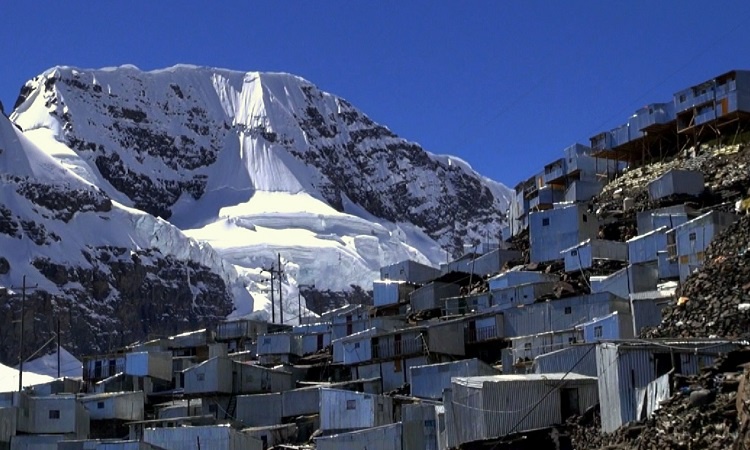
(569, 404)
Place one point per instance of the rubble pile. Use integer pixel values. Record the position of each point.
(726, 170)
(716, 300)
(706, 411)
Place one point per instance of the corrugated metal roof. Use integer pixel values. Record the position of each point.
(478, 381)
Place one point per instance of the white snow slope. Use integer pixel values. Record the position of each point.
(258, 164)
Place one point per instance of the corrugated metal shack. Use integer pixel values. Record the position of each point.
(149, 364)
(466, 304)
(391, 374)
(518, 357)
(582, 255)
(419, 422)
(674, 181)
(554, 230)
(104, 444)
(582, 190)
(387, 437)
(610, 327)
(688, 242)
(259, 410)
(429, 295)
(409, 271)
(62, 414)
(646, 247)
(8, 424)
(345, 410)
(634, 278)
(623, 367)
(717, 99)
(512, 278)
(482, 265)
(127, 406)
(429, 381)
(215, 437)
(578, 358)
(306, 400)
(279, 345)
(273, 435)
(523, 294)
(562, 314)
(483, 327)
(669, 217)
(221, 375)
(646, 307)
(490, 407)
(388, 292)
(35, 441)
(241, 328)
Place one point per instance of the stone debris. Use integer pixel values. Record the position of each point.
(715, 301)
(706, 411)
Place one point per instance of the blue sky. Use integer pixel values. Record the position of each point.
(503, 85)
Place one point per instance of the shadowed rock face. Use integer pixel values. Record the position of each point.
(127, 297)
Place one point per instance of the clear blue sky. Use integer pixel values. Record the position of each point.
(503, 85)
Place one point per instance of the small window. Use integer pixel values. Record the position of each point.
(692, 236)
(351, 404)
(545, 221)
(201, 376)
(568, 310)
(571, 340)
(267, 340)
(585, 217)
(213, 408)
(682, 98)
(527, 346)
(54, 413)
(574, 253)
(429, 423)
(598, 331)
(356, 345)
(99, 405)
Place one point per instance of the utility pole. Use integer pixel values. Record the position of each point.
(58, 348)
(281, 304)
(273, 306)
(23, 321)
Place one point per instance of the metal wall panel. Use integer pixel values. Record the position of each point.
(409, 271)
(645, 247)
(428, 381)
(562, 314)
(35, 441)
(386, 437)
(215, 437)
(300, 402)
(610, 327)
(579, 358)
(513, 278)
(554, 230)
(429, 295)
(259, 410)
(346, 410)
(670, 216)
(423, 433)
(676, 182)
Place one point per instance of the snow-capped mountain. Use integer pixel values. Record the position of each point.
(97, 266)
(258, 164)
